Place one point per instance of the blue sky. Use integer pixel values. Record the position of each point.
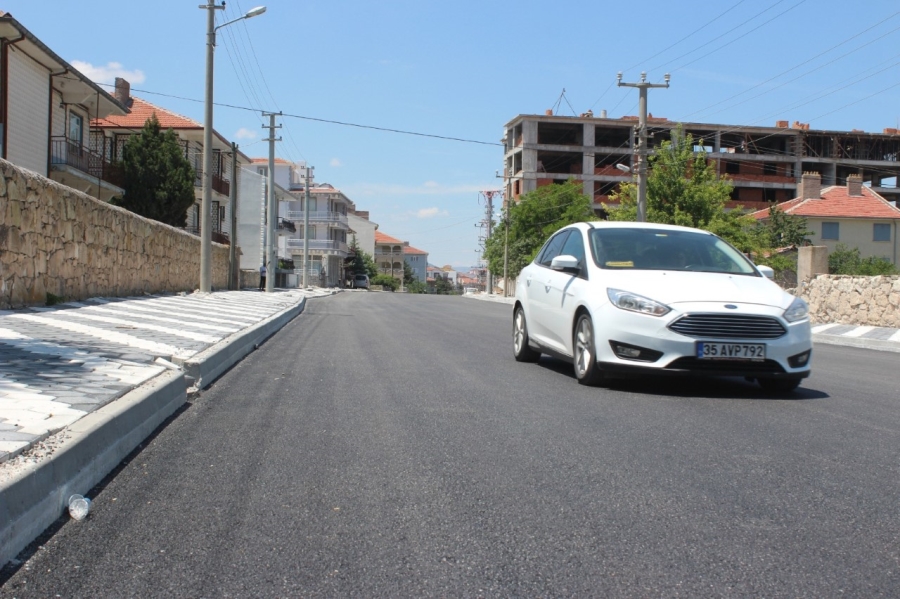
(463, 69)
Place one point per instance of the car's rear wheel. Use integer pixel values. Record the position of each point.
(779, 385)
(521, 350)
(587, 371)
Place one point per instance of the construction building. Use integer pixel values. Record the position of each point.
(765, 164)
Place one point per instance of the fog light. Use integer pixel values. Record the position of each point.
(800, 360)
(626, 351)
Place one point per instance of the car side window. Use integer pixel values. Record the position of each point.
(552, 249)
(574, 246)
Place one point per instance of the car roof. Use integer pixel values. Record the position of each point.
(606, 224)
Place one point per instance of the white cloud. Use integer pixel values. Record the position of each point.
(336, 162)
(431, 213)
(244, 133)
(108, 73)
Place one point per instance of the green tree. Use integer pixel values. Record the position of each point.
(532, 220)
(845, 260)
(786, 229)
(158, 179)
(409, 275)
(363, 262)
(443, 287)
(682, 189)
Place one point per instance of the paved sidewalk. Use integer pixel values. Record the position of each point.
(60, 363)
(84, 383)
(877, 338)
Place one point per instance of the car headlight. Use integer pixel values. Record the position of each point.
(798, 310)
(625, 300)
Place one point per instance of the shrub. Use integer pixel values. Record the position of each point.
(386, 281)
(845, 260)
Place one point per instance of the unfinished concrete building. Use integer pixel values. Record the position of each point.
(765, 164)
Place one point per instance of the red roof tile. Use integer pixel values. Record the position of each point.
(835, 202)
(411, 250)
(382, 238)
(141, 111)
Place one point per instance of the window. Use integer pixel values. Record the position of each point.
(831, 231)
(881, 232)
(76, 127)
(732, 168)
(551, 250)
(770, 168)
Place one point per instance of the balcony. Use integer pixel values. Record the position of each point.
(318, 245)
(320, 216)
(219, 184)
(67, 153)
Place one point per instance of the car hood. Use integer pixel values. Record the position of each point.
(673, 287)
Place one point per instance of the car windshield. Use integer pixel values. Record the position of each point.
(665, 249)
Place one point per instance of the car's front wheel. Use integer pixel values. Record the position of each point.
(521, 350)
(587, 371)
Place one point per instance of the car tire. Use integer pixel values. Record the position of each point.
(521, 350)
(587, 371)
(779, 385)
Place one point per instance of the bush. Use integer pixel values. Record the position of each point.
(847, 261)
(386, 281)
(417, 287)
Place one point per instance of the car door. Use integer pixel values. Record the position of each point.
(562, 289)
(537, 285)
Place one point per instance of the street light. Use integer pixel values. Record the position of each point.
(206, 202)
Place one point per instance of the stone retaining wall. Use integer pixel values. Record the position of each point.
(54, 239)
(843, 299)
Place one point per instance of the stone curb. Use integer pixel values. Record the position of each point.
(206, 366)
(874, 344)
(92, 448)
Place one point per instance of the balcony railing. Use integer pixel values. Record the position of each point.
(317, 244)
(67, 152)
(217, 236)
(318, 216)
(219, 184)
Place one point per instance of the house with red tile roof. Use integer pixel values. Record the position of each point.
(46, 106)
(115, 129)
(851, 214)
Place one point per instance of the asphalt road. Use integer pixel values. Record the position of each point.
(387, 445)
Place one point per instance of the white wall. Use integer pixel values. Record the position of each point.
(28, 126)
(364, 230)
(251, 203)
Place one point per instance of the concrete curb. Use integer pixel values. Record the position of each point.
(93, 446)
(863, 342)
(206, 366)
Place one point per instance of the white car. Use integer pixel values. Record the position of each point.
(360, 281)
(624, 298)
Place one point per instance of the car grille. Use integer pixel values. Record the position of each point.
(726, 367)
(728, 326)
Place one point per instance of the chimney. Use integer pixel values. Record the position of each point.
(810, 186)
(854, 185)
(123, 92)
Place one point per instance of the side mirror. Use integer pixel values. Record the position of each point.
(566, 264)
(766, 271)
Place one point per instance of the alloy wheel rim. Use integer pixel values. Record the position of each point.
(583, 347)
(519, 332)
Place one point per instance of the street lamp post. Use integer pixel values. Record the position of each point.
(206, 202)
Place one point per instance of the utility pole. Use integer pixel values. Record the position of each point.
(272, 212)
(489, 223)
(642, 152)
(234, 280)
(306, 230)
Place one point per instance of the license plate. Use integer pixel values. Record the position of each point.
(708, 350)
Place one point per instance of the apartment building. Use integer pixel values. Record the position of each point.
(110, 133)
(46, 106)
(765, 164)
